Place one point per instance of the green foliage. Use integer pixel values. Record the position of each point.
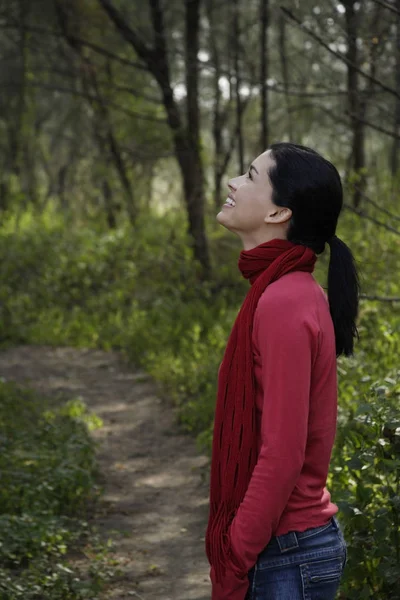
(365, 482)
(48, 476)
(140, 292)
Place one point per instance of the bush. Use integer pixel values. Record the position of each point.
(48, 476)
(365, 482)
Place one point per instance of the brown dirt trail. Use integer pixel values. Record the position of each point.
(155, 502)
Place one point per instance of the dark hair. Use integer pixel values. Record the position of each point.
(310, 186)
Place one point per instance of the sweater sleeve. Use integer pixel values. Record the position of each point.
(287, 338)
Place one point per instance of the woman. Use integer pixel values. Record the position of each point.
(272, 532)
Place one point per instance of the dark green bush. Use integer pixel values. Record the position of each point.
(48, 485)
(365, 482)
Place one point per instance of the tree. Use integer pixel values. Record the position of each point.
(236, 46)
(357, 105)
(394, 157)
(285, 72)
(264, 63)
(186, 138)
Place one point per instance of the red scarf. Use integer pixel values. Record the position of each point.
(234, 447)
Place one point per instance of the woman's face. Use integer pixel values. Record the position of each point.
(254, 217)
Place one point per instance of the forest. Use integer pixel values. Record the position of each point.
(121, 122)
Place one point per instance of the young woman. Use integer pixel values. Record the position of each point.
(272, 532)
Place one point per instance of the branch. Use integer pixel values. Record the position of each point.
(379, 298)
(92, 98)
(134, 92)
(156, 58)
(233, 140)
(338, 119)
(81, 42)
(341, 57)
(143, 51)
(329, 94)
(392, 134)
(364, 215)
(115, 86)
(388, 6)
(376, 205)
(136, 153)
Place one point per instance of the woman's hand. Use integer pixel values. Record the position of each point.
(232, 586)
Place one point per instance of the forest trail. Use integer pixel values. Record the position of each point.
(155, 503)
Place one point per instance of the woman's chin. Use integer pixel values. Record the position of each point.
(222, 218)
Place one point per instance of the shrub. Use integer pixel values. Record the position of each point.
(48, 487)
(365, 482)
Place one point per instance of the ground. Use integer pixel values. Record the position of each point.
(155, 503)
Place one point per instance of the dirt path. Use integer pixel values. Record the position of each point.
(156, 493)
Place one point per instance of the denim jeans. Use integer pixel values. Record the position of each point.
(300, 566)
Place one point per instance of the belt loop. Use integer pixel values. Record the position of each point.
(287, 541)
(335, 523)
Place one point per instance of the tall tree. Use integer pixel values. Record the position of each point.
(356, 104)
(103, 128)
(285, 72)
(394, 157)
(218, 116)
(13, 104)
(186, 138)
(236, 45)
(264, 68)
(225, 129)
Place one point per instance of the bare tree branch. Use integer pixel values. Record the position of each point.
(144, 52)
(155, 58)
(136, 153)
(391, 134)
(115, 86)
(379, 298)
(338, 55)
(80, 42)
(328, 93)
(390, 7)
(92, 98)
(135, 93)
(364, 215)
(339, 119)
(376, 205)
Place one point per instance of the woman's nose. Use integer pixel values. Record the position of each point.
(232, 186)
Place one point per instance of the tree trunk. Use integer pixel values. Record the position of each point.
(15, 126)
(109, 206)
(217, 116)
(356, 107)
(61, 187)
(192, 171)
(101, 111)
(264, 24)
(285, 73)
(186, 143)
(394, 158)
(115, 151)
(112, 148)
(239, 111)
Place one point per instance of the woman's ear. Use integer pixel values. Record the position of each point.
(280, 215)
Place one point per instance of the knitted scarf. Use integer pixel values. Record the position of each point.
(234, 446)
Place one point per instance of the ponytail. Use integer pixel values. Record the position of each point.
(343, 295)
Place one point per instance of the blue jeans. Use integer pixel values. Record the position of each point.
(300, 566)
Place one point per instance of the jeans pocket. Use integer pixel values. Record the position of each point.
(321, 578)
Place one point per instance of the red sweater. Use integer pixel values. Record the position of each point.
(296, 396)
